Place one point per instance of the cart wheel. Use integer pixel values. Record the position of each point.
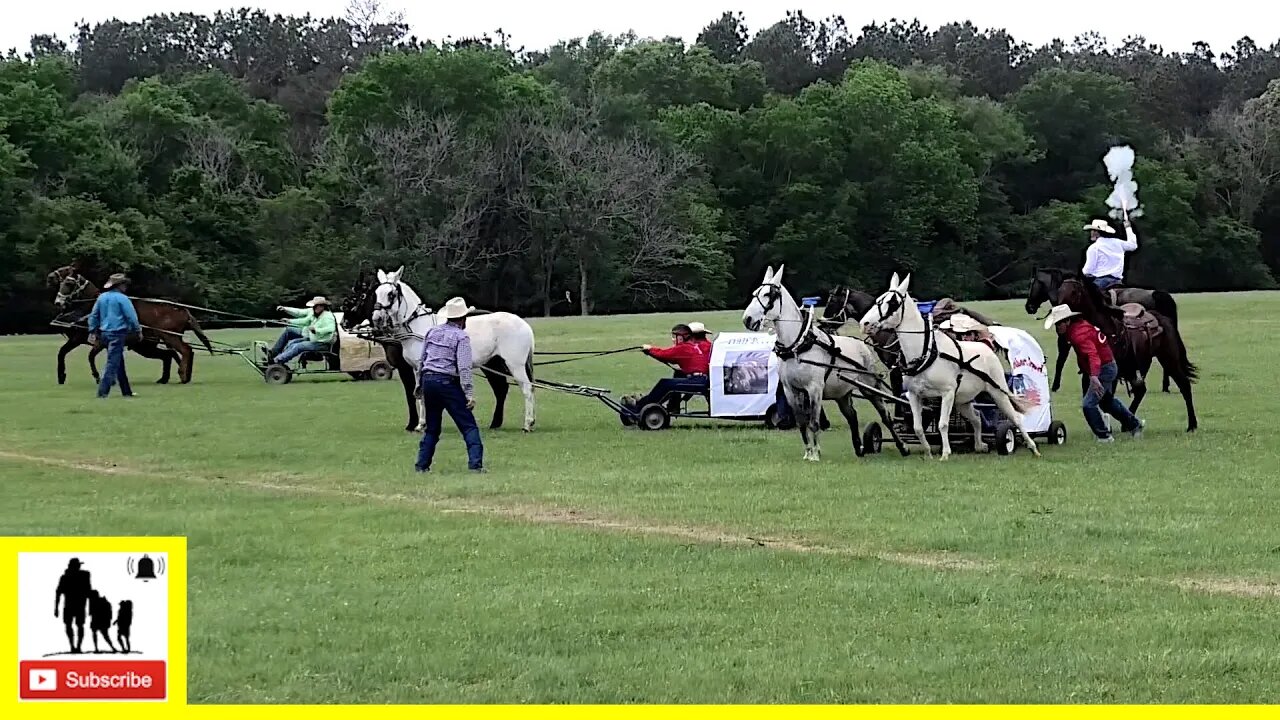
(654, 417)
(1006, 438)
(1057, 433)
(277, 374)
(872, 439)
(380, 371)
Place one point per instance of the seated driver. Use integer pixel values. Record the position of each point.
(963, 327)
(310, 330)
(693, 362)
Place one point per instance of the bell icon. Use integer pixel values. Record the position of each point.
(146, 569)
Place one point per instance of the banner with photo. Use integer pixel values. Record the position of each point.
(1030, 377)
(744, 374)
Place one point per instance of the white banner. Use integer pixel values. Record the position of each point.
(1030, 377)
(744, 374)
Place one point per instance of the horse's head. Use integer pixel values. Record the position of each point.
(845, 304)
(766, 301)
(388, 300)
(890, 308)
(57, 275)
(70, 289)
(357, 306)
(1044, 288)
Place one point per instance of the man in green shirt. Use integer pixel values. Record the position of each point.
(309, 331)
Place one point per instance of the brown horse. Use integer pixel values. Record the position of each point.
(1138, 336)
(161, 323)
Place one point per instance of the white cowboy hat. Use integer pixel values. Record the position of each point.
(1058, 314)
(456, 308)
(963, 323)
(317, 300)
(114, 280)
(698, 328)
(1101, 226)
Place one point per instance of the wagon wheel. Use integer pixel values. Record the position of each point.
(1006, 438)
(872, 439)
(654, 417)
(277, 374)
(380, 370)
(1057, 433)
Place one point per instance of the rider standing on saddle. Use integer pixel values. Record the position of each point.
(112, 321)
(1104, 260)
(1098, 363)
(309, 331)
(693, 362)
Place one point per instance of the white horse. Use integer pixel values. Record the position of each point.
(399, 312)
(936, 365)
(816, 365)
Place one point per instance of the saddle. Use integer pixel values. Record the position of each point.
(1137, 318)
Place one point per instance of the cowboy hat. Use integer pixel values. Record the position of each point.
(698, 328)
(1058, 314)
(456, 308)
(963, 323)
(114, 280)
(1101, 226)
(317, 300)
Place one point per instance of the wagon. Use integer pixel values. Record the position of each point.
(1026, 376)
(355, 355)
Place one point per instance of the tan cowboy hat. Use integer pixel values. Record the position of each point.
(698, 328)
(1058, 314)
(1101, 226)
(456, 308)
(318, 300)
(114, 280)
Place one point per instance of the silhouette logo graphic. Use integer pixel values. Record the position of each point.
(107, 637)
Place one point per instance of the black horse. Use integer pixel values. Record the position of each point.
(1046, 282)
(357, 307)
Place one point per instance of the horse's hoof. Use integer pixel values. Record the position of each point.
(162, 381)
(981, 448)
(944, 458)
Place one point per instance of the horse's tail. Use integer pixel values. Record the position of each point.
(528, 363)
(199, 331)
(1165, 305)
(1188, 368)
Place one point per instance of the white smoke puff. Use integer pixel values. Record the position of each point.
(1124, 196)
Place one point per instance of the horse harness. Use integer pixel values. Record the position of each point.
(807, 339)
(931, 353)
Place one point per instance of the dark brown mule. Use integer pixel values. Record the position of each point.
(1137, 336)
(1044, 288)
(161, 323)
(77, 334)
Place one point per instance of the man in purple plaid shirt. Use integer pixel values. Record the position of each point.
(445, 383)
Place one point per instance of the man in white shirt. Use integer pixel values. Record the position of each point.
(1104, 260)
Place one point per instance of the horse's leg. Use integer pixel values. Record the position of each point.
(878, 404)
(523, 375)
(410, 385)
(493, 372)
(944, 422)
(183, 350)
(968, 412)
(850, 412)
(1064, 349)
(1139, 385)
(801, 410)
(917, 418)
(71, 344)
(155, 352)
(1171, 360)
(93, 361)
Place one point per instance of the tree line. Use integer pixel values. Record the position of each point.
(244, 160)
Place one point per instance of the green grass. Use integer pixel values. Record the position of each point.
(324, 570)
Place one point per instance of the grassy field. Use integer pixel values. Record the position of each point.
(706, 563)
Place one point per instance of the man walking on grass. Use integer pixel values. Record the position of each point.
(111, 322)
(445, 384)
(1098, 364)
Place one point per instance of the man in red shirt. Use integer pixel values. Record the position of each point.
(1098, 363)
(693, 363)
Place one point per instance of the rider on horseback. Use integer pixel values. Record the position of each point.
(1104, 260)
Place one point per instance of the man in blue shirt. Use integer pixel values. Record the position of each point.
(444, 380)
(111, 322)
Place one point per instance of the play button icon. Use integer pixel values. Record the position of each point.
(44, 680)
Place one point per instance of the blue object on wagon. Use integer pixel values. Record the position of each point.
(810, 301)
(926, 307)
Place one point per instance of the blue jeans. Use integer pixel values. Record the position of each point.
(291, 344)
(1093, 404)
(441, 393)
(115, 365)
(692, 384)
(1106, 281)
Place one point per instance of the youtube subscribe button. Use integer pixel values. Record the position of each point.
(92, 680)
